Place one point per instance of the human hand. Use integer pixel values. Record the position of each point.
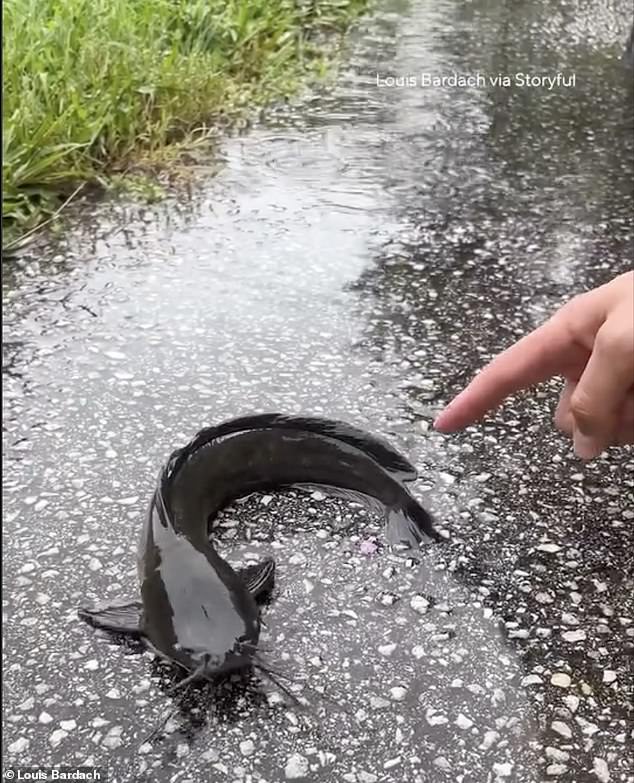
(590, 342)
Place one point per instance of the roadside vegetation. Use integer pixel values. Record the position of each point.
(89, 86)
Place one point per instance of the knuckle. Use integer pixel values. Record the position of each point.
(577, 301)
(579, 305)
(583, 409)
(616, 342)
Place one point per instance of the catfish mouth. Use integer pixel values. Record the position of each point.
(207, 667)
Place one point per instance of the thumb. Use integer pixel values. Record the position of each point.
(601, 392)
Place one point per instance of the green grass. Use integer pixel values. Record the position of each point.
(91, 85)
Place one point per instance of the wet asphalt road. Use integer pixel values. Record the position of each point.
(360, 255)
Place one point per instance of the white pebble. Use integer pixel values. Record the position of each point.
(554, 770)
(572, 702)
(601, 587)
(560, 680)
(588, 728)
(247, 747)
(573, 636)
(503, 770)
(601, 769)
(19, 746)
(92, 665)
(556, 755)
(112, 740)
(45, 717)
(521, 633)
(56, 737)
(418, 652)
(561, 728)
(436, 720)
(532, 679)
(550, 548)
(489, 740)
(68, 725)
(296, 767)
(398, 693)
(462, 722)
(609, 676)
(386, 649)
(419, 604)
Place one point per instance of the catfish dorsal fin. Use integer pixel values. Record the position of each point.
(377, 448)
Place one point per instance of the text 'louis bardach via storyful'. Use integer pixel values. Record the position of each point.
(477, 79)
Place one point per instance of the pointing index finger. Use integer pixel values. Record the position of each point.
(533, 359)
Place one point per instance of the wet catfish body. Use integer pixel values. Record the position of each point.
(226, 469)
(196, 609)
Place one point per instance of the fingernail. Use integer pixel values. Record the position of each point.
(439, 422)
(585, 446)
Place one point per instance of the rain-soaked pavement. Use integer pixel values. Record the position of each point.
(359, 256)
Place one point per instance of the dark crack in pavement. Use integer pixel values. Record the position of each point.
(360, 255)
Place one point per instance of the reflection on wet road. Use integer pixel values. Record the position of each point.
(359, 256)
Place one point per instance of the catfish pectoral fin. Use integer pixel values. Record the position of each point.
(122, 618)
(259, 578)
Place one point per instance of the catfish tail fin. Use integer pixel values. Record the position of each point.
(410, 526)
